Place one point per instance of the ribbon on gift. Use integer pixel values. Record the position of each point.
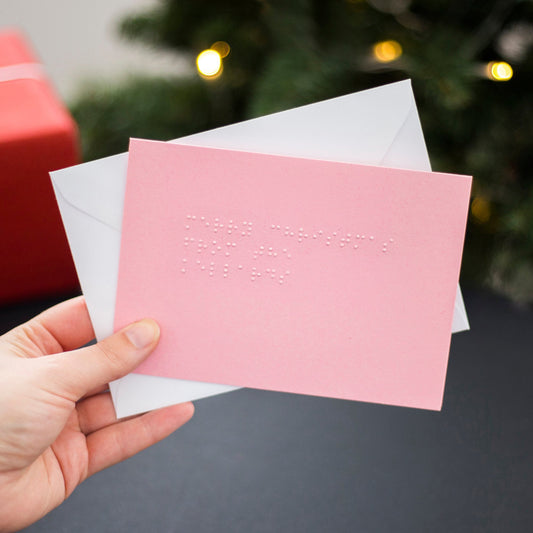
(22, 71)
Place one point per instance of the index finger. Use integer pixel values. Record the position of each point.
(68, 323)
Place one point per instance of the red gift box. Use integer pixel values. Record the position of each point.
(37, 135)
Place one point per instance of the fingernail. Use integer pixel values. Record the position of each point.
(143, 333)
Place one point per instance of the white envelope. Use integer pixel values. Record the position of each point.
(377, 127)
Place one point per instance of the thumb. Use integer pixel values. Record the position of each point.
(80, 371)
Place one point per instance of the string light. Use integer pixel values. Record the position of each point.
(222, 47)
(209, 63)
(499, 71)
(387, 51)
(480, 209)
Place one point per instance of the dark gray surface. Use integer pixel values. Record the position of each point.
(254, 461)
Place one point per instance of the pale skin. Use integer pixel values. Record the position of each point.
(57, 422)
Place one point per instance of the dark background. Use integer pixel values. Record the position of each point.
(254, 461)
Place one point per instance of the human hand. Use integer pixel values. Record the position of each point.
(57, 425)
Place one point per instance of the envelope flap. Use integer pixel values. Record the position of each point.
(372, 118)
(94, 192)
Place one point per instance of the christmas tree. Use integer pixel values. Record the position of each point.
(471, 64)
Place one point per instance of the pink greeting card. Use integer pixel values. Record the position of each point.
(291, 274)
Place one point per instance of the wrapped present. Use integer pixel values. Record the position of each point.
(37, 135)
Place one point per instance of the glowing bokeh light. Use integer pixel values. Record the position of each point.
(480, 209)
(222, 47)
(387, 51)
(499, 71)
(209, 63)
